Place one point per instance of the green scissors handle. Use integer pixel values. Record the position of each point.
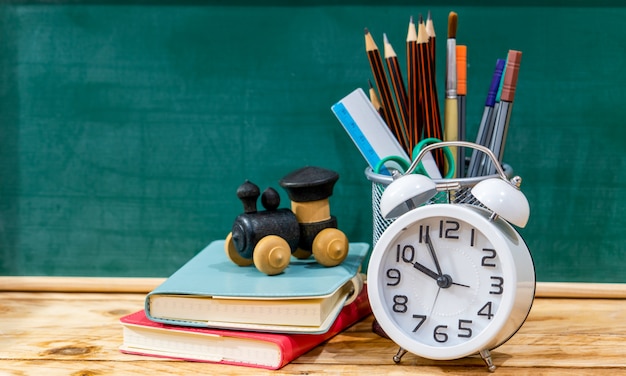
(447, 154)
(405, 165)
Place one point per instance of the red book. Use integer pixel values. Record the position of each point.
(252, 349)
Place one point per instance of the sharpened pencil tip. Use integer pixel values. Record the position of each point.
(430, 28)
(367, 31)
(421, 19)
(385, 40)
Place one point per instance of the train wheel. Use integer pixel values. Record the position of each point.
(232, 253)
(330, 247)
(271, 255)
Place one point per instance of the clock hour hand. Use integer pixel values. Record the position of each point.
(425, 270)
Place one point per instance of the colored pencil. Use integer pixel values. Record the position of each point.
(399, 90)
(451, 116)
(378, 70)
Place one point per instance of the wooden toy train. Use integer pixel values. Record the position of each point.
(269, 237)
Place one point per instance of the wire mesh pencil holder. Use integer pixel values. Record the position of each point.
(459, 192)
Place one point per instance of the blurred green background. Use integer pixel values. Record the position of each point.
(126, 127)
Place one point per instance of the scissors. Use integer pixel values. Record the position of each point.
(404, 164)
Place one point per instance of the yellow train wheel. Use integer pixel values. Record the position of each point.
(330, 247)
(272, 255)
(232, 253)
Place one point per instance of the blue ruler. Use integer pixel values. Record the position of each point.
(367, 129)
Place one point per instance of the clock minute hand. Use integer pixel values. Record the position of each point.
(443, 280)
(432, 253)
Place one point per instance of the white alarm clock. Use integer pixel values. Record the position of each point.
(447, 281)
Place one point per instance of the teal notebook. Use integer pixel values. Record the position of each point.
(211, 291)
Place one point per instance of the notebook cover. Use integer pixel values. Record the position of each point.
(290, 346)
(211, 273)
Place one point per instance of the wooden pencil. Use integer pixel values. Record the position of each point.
(432, 42)
(375, 100)
(430, 105)
(378, 70)
(399, 90)
(413, 92)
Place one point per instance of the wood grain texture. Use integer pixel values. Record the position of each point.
(79, 334)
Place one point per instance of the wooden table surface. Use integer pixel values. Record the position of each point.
(78, 333)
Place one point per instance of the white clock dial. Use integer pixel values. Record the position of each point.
(443, 281)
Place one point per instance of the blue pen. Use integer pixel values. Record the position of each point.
(505, 103)
(485, 129)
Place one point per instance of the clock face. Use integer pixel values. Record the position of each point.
(444, 283)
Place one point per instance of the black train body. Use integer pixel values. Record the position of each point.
(300, 227)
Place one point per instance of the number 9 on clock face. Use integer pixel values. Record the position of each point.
(448, 281)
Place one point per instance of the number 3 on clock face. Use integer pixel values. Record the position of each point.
(446, 281)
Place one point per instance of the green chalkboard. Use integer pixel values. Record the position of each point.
(126, 127)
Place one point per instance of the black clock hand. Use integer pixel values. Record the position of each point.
(443, 280)
(459, 284)
(425, 270)
(432, 253)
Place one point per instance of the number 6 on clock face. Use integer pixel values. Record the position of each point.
(448, 281)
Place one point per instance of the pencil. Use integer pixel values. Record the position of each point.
(503, 117)
(461, 91)
(430, 105)
(483, 137)
(378, 70)
(375, 101)
(451, 117)
(413, 92)
(399, 90)
(432, 39)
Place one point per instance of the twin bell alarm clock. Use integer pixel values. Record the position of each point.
(447, 280)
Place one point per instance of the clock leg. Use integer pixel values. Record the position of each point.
(486, 355)
(399, 355)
